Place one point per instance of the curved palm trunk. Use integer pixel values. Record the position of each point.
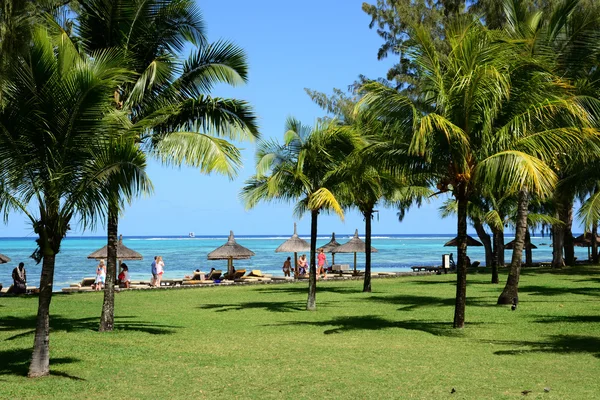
(40, 359)
(367, 282)
(528, 252)
(567, 218)
(487, 242)
(461, 251)
(511, 289)
(557, 246)
(594, 242)
(498, 256)
(107, 318)
(311, 303)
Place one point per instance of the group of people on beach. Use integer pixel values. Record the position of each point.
(302, 266)
(158, 269)
(123, 279)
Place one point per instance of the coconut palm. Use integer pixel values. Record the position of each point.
(299, 170)
(470, 135)
(170, 97)
(60, 143)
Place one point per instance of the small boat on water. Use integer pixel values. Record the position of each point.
(191, 234)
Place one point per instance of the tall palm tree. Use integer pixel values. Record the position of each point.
(170, 99)
(60, 144)
(300, 170)
(470, 135)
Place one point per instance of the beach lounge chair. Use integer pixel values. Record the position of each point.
(214, 275)
(255, 276)
(84, 286)
(236, 275)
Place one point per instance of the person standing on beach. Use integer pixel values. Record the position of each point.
(154, 276)
(19, 279)
(321, 261)
(160, 270)
(287, 267)
(100, 275)
(302, 265)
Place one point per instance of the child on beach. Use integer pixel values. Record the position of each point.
(287, 267)
(100, 275)
(322, 260)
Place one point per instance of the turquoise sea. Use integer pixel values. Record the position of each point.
(182, 255)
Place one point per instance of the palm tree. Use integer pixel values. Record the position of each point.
(60, 144)
(300, 170)
(179, 122)
(470, 135)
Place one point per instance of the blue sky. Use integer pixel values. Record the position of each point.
(291, 46)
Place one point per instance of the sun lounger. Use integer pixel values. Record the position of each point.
(214, 275)
(236, 275)
(85, 282)
(340, 267)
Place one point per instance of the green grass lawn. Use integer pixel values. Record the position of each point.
(258, 342)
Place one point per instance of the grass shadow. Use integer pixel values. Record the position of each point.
(304, 290)
(571, 271)
(375, 323)
(558, 291)
(412, 302)
(577, 319)
(280, 307)
(65, 324)
(558, 344)
(16, 362)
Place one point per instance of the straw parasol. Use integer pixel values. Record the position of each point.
(354, 245)
(294, 245)
(331, 247)
(123, 253)
(230, 251)
(585, 240)
(4, 259)
(470, 242)
(511, 244)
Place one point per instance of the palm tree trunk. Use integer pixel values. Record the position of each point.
(567, 218)
(486, 240)
(594, 242)
(367, 282)
(511, 289)
(528, 252)
(498, 252)
(461, 251)
(107, 318)
(557, 246)
(40, 360)
(311, 304)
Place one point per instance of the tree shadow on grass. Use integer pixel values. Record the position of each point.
(65, 324)
(558, 291)
(16, 362)
(558, 344)
(411, 302)
(375, 323)
(281, 307)
(304, 290)
(581, 319)
(571, 271)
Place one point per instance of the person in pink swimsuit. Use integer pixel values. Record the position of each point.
(321, 262)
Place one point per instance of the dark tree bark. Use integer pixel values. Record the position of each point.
(528, 252)
(557, 246)
(487, 242)
(594, 242)
(567, 218)
(40, 359)
(367, 282)
(498, 254)
(461, 250)
(107, 318)
(511, 289)
(311, 303)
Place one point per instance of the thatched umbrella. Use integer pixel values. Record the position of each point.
(294, 245)
(331, 247)
(4, 259)
(354, 245)
(511, 244)
(123, 253)
(470, 242)
(230, 251)
(585, 240)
